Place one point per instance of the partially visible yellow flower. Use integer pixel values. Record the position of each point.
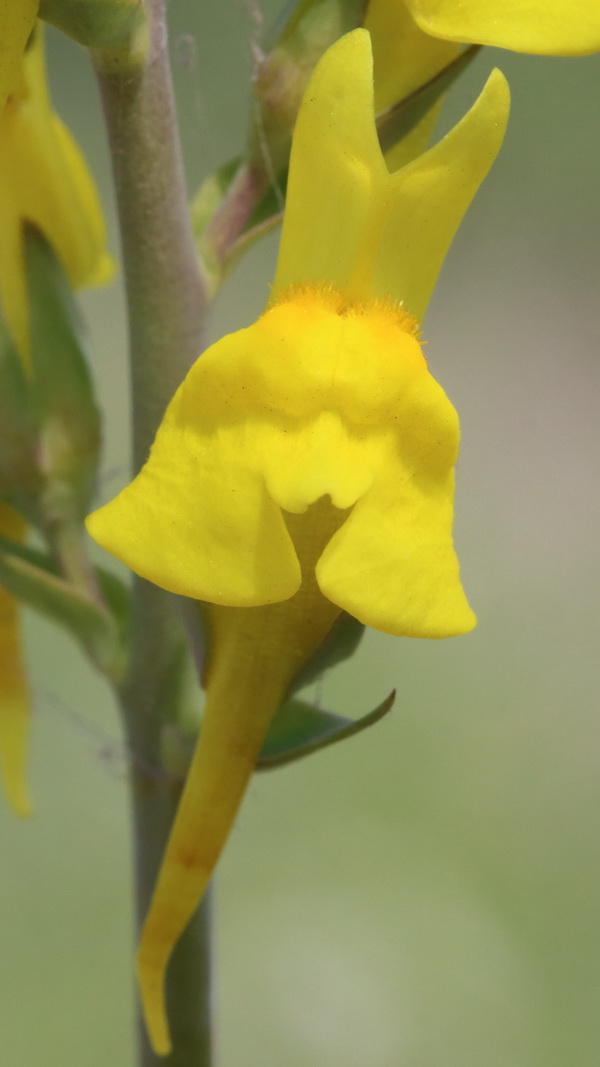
(17, 19)
(43, 181)
(305, 466)
(404, 55)
(413, 40)
(542, 27)
(14, 691)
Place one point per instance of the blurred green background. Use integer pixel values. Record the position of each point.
(425, 895)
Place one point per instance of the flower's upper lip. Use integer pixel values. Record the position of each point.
(352, 224)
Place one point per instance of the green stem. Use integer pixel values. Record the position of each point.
(68, 544)
(242, 198)
(166, 298)
(166, 318)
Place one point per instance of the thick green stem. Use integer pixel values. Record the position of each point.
(166, 318)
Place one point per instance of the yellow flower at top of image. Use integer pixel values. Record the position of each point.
(305, 465)
(14, 690)
(17, 19)
(540, 27)
(413, 40)
(44, 182)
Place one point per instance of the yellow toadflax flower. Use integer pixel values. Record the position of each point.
(14, 692)
(413, 40)
(305, 466)
(17, 19)
(541, 27)
(45, 182)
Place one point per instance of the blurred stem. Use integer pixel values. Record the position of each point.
(242, 198)
(166, 302)
(67, 540)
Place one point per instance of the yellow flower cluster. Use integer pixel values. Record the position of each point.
(44, 182)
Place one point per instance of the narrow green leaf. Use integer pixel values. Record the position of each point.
(299, 729)
(211, 194)
(30, 576)
(19, 474)
(60, 385)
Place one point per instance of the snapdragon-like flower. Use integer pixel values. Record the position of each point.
(542, 27)
(413, 40)
(44, 182)
(305, 466)
(17, 19)
(14, 691)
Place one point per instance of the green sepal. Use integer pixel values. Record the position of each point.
(116, 27)
(61, 389)
(219, 198)
(278, 85)
(396, 122)
(306, 24)
(205, 210)
(20, 477)
(298, 729)
(32, 577)
(253, 188)
(211, 194)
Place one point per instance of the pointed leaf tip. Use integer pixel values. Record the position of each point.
(299, 729)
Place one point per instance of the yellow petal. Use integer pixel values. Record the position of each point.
(14, 692)
(392, 565)
(264, 420)
(348, 222)
(17, 19)
(44, 180)
(198, 520)
(78, 231)
(404, 57)
(428, 199)
(254, 654)
(336, 169)
(319, 398)
(544, 27)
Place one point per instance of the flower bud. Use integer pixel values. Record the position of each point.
(283, 73)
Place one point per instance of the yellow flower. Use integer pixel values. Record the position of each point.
(17, 19)
(413, 40)
(14, 692)
(305, 466)
(405, 56)
(542, 27)
(43, 181)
